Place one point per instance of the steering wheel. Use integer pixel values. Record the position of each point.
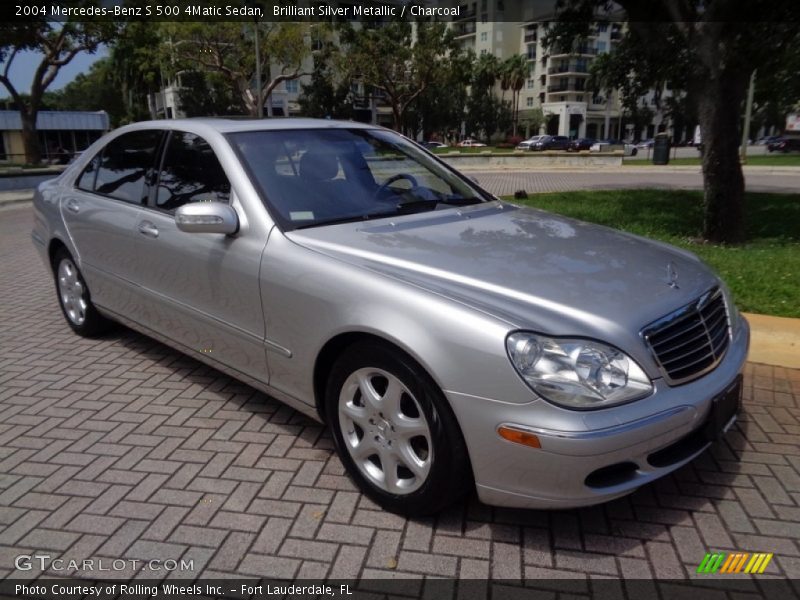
(385, 185)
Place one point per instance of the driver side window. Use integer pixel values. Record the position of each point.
(190, 173)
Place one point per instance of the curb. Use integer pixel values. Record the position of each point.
(774, 340)
(15, 198)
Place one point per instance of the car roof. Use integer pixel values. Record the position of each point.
(230, 125)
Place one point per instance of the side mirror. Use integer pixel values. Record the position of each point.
(207, 217)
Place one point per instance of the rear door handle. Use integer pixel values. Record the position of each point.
(149, 229)
(73, 206)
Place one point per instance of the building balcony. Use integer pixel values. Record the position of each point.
(576, 86)
(462, 29)
(570, 69)
(466, 12)
(575, 51)
(530, 38)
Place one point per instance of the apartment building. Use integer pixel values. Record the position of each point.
(557, 82)
(558, 77)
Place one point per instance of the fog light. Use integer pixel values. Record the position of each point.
(518, 436)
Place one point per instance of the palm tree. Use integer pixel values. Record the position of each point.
(505, 79)
(517, 68)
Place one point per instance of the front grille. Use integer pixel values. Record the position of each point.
(692, 340)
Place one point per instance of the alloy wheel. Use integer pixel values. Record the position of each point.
(72, 292)
(385, 431)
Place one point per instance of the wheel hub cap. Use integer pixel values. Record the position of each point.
(72, 292)
(385, 431)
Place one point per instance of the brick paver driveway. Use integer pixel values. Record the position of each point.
(122, 448)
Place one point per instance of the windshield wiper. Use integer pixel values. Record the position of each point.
(351, 219)
(410, 206)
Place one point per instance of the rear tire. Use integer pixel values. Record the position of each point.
(74, 298)
(395, 432)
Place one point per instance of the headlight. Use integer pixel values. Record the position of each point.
(576, 373)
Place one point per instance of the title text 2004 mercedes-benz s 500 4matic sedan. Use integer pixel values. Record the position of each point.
(450, 340)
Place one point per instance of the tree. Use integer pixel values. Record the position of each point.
(394, 61)
(58, 43)
(708, 50)
(95, 90)
(517, 68)
(228, 49)
(206, 94)
(532, 120)
(483, 107)
(328, 94)
(439, 110)
(136, 64)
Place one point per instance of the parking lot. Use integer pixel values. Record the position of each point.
(121, 448)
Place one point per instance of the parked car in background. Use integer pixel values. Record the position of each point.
(449, 340)
(552, 142)
(767, 139)
(784, 145)
(644, 144)
(612, 145)
(470, 143)
(431, 145)
(529, 143)
(581, 144)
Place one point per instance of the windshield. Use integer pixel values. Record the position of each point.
(315, 177)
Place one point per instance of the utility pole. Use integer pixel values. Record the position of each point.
(747, 113)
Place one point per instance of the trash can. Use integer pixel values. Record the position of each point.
(661, 149)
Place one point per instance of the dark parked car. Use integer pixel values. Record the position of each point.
(552, 142)
(784, 145)
(581, 144)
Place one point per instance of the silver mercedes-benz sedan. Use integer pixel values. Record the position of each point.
(450, 340)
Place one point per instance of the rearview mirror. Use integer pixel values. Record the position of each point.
(207, 217)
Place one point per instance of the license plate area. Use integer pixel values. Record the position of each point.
(723, 408)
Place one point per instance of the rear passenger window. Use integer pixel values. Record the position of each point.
(190, 173)
(124, 165)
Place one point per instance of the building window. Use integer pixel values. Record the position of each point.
(531, 83)
(601, 47)
(602, 27)
(529, 102)
(483, 51)
(579, 98)
(484, 36)
(292, 86)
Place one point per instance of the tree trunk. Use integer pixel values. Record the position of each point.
(719, 105)
(30, 141)
(397, 117)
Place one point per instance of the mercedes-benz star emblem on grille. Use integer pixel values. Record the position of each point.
(672, 275)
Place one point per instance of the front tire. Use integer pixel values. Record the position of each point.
(394, 431)
(74, 299)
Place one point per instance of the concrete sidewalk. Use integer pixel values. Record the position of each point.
(774, 340)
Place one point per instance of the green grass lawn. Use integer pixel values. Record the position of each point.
(764, 273)
(769, 160)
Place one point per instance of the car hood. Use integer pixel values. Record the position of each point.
(529, 267)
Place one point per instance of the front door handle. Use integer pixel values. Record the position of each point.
(149, 229)
(73, 206)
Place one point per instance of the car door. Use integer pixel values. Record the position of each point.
(203, 287)
(101, 211)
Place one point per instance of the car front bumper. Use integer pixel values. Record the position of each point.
(619, 458)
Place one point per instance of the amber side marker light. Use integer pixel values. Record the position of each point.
(518, 436)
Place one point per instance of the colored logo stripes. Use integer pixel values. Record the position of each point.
(735, 562)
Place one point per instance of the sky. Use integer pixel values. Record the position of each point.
(26, 62)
